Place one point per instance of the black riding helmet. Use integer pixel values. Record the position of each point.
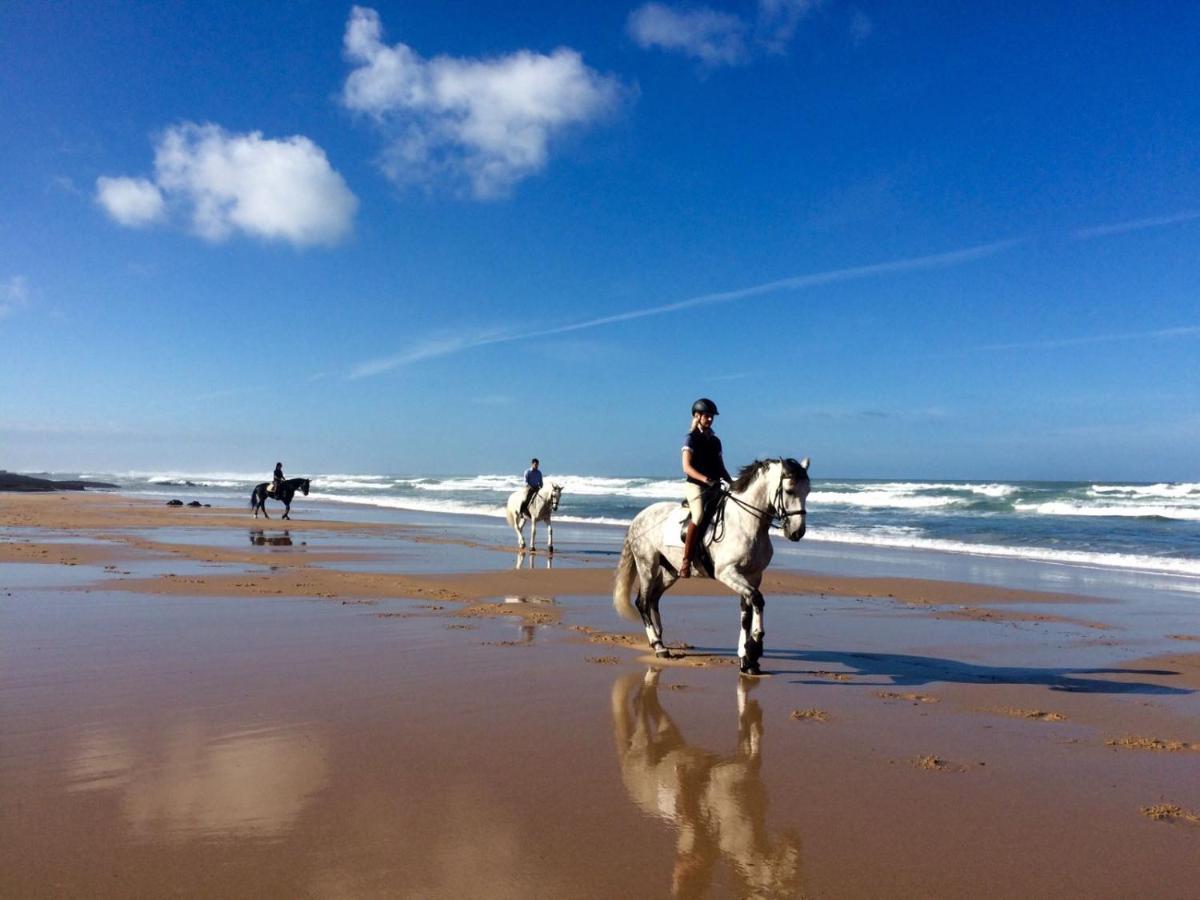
(704, 405)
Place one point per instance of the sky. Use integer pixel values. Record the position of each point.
(935, 240)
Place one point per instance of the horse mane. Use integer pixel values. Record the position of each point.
(747, 474)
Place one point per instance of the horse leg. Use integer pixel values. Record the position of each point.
(549, 536)
(262, 504)
(651, 589)
(533, 534)
(752, 629)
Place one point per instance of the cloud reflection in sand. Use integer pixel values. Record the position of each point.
(195, 781)
(716, 803)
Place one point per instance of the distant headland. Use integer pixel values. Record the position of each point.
(11, 481)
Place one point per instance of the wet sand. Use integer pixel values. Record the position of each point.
(197, 703)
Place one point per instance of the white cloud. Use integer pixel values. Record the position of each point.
(778, 21)
(717, 38)
(861, 26)
(714, 38)
(486, 121)
(133, 202)
(14, 295)
(229, 183)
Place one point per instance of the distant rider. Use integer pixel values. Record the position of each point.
(705, 469)
(533, 484)
(276, 480)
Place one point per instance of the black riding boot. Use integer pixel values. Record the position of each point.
(689, 541)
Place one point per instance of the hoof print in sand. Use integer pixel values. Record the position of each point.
(1170, 812)
(911, 698)
(810, 715)
(1157, 745)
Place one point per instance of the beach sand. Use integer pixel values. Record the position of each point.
(198, 703)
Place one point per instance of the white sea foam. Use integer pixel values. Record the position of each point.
(1173, 491)
(1129, 561)
(914, 487)
(417, 504)
(351, 485)
(1135, 511)
(883, 498)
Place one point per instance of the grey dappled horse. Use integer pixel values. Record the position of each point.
(717, 802)
(765, 492)
(544, 502)
(287, 490)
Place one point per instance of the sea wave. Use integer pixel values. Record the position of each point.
(1165, 490)
(1130, 561)
(876, 499)
(1139, 511)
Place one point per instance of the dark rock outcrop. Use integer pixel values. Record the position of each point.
(174, 503)
(11, 481)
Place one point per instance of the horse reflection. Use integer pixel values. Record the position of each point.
(529, 629)
(717, 803)
(528, 560)
(260, 539)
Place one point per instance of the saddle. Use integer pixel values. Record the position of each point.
(702, 564)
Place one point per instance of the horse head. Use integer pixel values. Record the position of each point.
(304, 487)
(555, 496)
(791, 496)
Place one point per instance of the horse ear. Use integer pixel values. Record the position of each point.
(804, 464)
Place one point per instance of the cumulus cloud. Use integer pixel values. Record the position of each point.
(14, 295)
(717, 38)
(277, 189)
(485, 122)
(133, 202)
(714, 38)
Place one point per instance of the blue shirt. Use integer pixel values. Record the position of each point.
(533, 478)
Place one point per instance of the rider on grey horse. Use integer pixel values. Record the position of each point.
(705, 469)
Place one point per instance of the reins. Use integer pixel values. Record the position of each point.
(775, 513)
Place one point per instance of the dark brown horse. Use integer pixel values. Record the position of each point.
(287, 490)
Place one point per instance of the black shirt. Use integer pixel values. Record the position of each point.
(706, 454)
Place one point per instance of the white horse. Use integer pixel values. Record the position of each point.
(765, 492)
(716, 802)
(544, 502)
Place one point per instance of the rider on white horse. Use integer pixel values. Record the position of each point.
(533, 484)
(705, 469)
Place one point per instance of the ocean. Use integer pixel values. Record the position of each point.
(1151, 528)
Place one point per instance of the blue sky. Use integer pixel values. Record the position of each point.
(907, 240)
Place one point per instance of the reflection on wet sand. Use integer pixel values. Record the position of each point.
(260, 538)
(529, 629)
(716, 803)
(191, 781)
(527, 560)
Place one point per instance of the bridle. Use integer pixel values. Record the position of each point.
(775, 513)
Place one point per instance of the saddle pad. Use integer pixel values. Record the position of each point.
(672, 528)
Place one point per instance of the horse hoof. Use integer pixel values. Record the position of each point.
(664, 653)
(749, 667)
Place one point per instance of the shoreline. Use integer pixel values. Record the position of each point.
(262, 707)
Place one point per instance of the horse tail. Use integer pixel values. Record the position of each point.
(254, 498)
(623, 589)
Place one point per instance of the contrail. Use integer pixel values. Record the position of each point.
(445, 346)
(1055, 343)
(1134, 225)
